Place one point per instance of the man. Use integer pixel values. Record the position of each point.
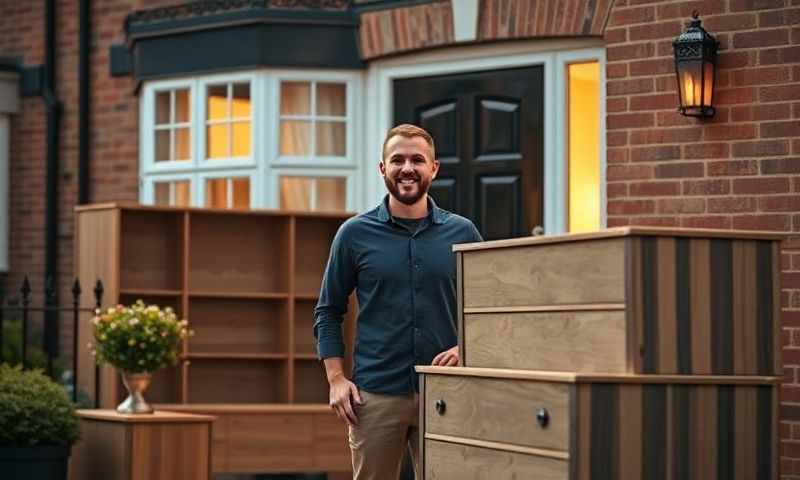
(399, 259)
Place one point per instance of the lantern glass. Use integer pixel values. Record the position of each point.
(690, 76)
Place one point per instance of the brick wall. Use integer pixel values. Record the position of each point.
(739, 170)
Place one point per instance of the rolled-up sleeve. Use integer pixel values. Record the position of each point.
(338, 283)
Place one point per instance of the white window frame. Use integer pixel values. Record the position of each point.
(228, 162)
(147, 131)
(348, 175)
(149, 187)
(552, 54)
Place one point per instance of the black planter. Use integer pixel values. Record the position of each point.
(34, 463)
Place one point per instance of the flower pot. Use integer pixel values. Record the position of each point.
(47, 462)
(136, 384)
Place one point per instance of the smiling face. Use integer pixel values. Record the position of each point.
(408, 168)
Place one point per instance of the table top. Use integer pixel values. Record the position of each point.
(159, 416)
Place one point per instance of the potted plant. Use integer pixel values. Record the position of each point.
(38, 426)
(137, 340)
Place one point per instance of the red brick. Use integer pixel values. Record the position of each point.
(629, 120)
(790, 280)
(616, 139)
(732, 205)
(742, 5)
(660, 66)
(761, 185)
(730, 22)
(679, 170)
(790, 319)
(733, 168)
(616, 70)
(706, 187)
(767, 148)
(796, 146)
(782, 203)
(628, 16)
(667, 83)
(761, 76)
(730, 132)
(615, 35)
(706, 150)
(683, 10)
(627, 87)
(630, 207)
(779, 94)
(727, 60)
(780, 165)
(630, 51)
(654, 189)
(617, 190)
(617, 155)
(653, 102)
(780, 129)
(669, 29)
(780, 223)
(656, 221)
(665, 135)
(718, 221)
(658, 153)
(681, 205)
(628, 172)
(760, 112)
(733, 96)
(778, 18)
(672, 119)
(761, 38)
(774, 56)
(617, 222)
(617, 104)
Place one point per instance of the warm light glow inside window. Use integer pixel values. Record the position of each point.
(228, 192)
(584, 146)
(313, 193)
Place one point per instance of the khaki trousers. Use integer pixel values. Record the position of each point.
(386, 425)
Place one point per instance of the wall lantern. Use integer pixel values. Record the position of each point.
(695, 63)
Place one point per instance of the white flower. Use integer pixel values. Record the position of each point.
(133, 321)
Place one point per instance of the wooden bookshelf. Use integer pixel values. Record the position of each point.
(248, 283)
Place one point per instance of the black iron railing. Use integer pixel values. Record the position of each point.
(21, 344)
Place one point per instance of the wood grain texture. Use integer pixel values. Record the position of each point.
(497, 410)
(162, 452)
(331, 450)
(273, 443)
(666, 316)
(450, 461)
(700, 281)
(102, 452)
(585, 341)
(630, 432)
(745, 321)
(634, 313)
(572, 273)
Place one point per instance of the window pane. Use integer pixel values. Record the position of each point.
(331, 99)
(241, 192)
(584, 147)
(162, 146)
(331, 194)
(182, 113)
(241, 100)
(217, 102)
(162, 107)
(183, 196)
(217, 192)
(241, 139)
(295, 138)
(331, 138)
(296, 193)
(295, 98)
(161, 193)
(217, 141)
(183, 142)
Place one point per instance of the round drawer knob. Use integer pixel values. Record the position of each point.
(441, 406)
(543, 417)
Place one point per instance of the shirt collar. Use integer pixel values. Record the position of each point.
(435, 214)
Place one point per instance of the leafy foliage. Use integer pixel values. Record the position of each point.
(34, 410)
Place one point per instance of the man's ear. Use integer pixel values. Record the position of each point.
(382, 168)
(435, 169)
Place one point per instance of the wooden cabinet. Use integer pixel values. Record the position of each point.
(499, 423)
(626, 300)
(248, 282)
(161, 446)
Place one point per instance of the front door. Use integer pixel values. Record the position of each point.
(488, 131)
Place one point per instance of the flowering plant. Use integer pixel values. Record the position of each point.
(139, 338)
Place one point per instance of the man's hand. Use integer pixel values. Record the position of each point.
(343, 398)
(448, 358)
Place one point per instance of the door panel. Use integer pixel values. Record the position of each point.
(488, 131)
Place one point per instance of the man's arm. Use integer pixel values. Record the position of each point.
(343, 392)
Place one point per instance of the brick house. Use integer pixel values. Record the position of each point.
(558, 114)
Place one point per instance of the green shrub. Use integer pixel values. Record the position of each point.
(34, 410)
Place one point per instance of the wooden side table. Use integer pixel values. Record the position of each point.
(159, 446)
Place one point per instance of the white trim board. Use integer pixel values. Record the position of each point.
(553, 55)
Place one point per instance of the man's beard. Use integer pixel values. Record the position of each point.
(408, 199)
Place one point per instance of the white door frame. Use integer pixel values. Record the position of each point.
(552, 54)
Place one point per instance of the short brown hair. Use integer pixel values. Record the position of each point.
(408, 130)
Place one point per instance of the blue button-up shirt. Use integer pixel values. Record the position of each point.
(405, 283)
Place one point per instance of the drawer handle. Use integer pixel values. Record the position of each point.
(441, 406)
(543, 417)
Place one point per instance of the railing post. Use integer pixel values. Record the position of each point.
(26, 300)
(48, 342)
(98, 297)
(76, 304)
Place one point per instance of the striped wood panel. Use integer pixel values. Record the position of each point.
(702, 306)
(675, 432)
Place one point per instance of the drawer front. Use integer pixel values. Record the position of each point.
(498, 410)
(580, 341)
(451, 461)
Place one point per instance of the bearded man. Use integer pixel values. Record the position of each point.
(398, 258)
